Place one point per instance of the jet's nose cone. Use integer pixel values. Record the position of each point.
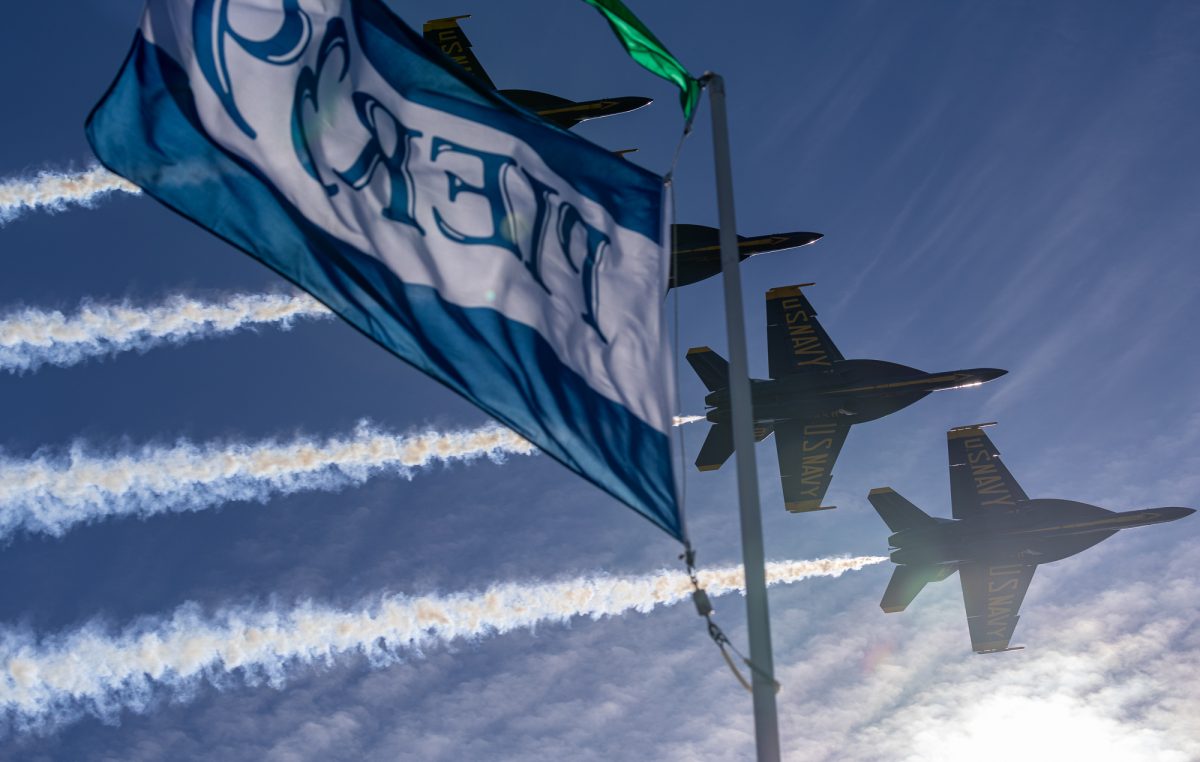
(634, 101)
(976, 376)
(1169, 513)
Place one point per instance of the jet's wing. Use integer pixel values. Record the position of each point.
(979, 480)
(807, 451)
(795, 340)
(992, 596)
(447, 36)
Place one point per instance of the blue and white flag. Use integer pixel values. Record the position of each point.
(518, 264)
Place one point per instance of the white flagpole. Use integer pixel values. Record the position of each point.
(766, 721)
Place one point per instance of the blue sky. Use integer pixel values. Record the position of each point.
(1003, 185)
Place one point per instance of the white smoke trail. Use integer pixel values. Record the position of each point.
(50, 494)
(30, 338)
(54, 191)
(43, 684)
(680, 420)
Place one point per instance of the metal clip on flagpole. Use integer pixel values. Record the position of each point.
(705, 609)
(766, 720)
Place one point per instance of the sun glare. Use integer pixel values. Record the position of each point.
(1010, 727)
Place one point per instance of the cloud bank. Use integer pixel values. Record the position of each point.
(1106, 676)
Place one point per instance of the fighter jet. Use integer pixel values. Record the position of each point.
(697, 250)
(447, 36)
(995, 541)
(696, 247)
(813, 397)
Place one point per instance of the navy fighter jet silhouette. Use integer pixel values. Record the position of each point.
(447, 36)
(696, 248)
(995, 541)
(813, 397)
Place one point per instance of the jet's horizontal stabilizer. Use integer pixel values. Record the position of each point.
(896, 512)
(907, 581)
(712, 369)
(717, 447)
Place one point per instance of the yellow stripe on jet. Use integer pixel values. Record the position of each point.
(783, 292)
(770, 240)
(994, 647)
(1095, 523)
(574, 107)
(807, 506)
(926, 380)
(450, 22)
(976, 429)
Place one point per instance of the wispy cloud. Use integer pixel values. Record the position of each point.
(1109, 671)
(52, 493)
(54, 191)
(30, 338)
(45, 683)
(1106, 678)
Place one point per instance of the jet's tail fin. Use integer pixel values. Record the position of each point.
(712, 369)
(907, 581)
(896, 512)
(717, 447)
(447, 36)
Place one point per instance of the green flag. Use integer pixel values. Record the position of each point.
(645, 48)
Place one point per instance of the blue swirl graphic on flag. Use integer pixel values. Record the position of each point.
(307, 87)
(210, 31)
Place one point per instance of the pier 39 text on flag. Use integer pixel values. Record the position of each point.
(518, 264)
